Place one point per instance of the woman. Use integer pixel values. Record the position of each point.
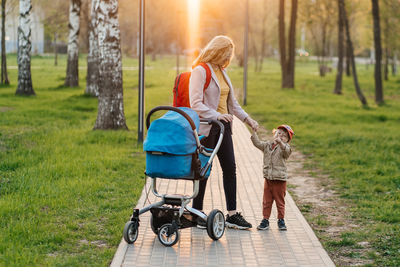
(218, 102)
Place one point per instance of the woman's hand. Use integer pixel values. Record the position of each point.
(252, 123)
(225, 117)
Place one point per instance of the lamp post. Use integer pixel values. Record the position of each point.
(141, 72)
(246, 37)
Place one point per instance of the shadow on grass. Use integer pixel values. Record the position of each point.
(2, 85)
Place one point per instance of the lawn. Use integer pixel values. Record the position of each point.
(66, 190)
(356, 147)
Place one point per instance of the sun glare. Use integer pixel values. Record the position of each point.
(193, 22)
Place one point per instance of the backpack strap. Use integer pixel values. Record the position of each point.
(208, 75)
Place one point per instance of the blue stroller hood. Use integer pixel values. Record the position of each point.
(172, 134)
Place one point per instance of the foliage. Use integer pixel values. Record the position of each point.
(166, 23)
(319, 18)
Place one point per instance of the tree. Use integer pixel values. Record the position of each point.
(349, 44)
(111, 105)
(263, 35)
(92, 78)
(24, 49)
(4, 75)
(390, 12)
(55, 15)
(72, 78)
(386, 42)
(339, 75)
(287, 63)
(378, 54)
(318, 15)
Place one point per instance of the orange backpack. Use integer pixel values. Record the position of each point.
(181, 87)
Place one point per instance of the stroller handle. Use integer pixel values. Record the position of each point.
(173, 109)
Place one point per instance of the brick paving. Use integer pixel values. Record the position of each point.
(298, 246)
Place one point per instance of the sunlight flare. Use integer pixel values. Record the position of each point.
(193, 22)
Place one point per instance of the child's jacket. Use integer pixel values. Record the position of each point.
(274, 159)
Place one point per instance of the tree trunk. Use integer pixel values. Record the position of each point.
(348, 64)
(394, 64)
(4, 74)
(287, 63)
(386, 42)
(111, 105)
(72, 78)
(386, 68)
(255, 51)
(360, 95)
(378, 54)
(92, 78)
(24, 49)
(282, 41)
(292, 46)
(323, 68)
(339, 75)
(55, 50)
(263, 32)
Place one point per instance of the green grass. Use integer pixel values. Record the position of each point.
(358, 148)
(66, 191)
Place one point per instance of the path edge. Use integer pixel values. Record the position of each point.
(310, 232)
(119, 255)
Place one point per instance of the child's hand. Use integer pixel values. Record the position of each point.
(278, 140)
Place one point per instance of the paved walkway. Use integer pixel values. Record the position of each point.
(298, 246)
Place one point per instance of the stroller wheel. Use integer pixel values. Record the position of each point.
(167, 236)
(131, 232)
(215, 224)
(153, 227)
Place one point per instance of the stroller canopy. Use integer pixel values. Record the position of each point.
(172, 134)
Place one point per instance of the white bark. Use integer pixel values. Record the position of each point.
(24, 49)
(72, 78)
(92, 79)
(111, 107)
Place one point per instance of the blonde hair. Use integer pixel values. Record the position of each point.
(219, 51)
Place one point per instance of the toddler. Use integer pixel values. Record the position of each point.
(276, 153)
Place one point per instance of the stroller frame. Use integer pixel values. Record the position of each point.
(173, 211)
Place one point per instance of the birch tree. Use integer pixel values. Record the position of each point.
(72, 77)
(111, 105)
(4, 75)
(24, 49)
(92, 78)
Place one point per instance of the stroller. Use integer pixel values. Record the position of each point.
(173, 151)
